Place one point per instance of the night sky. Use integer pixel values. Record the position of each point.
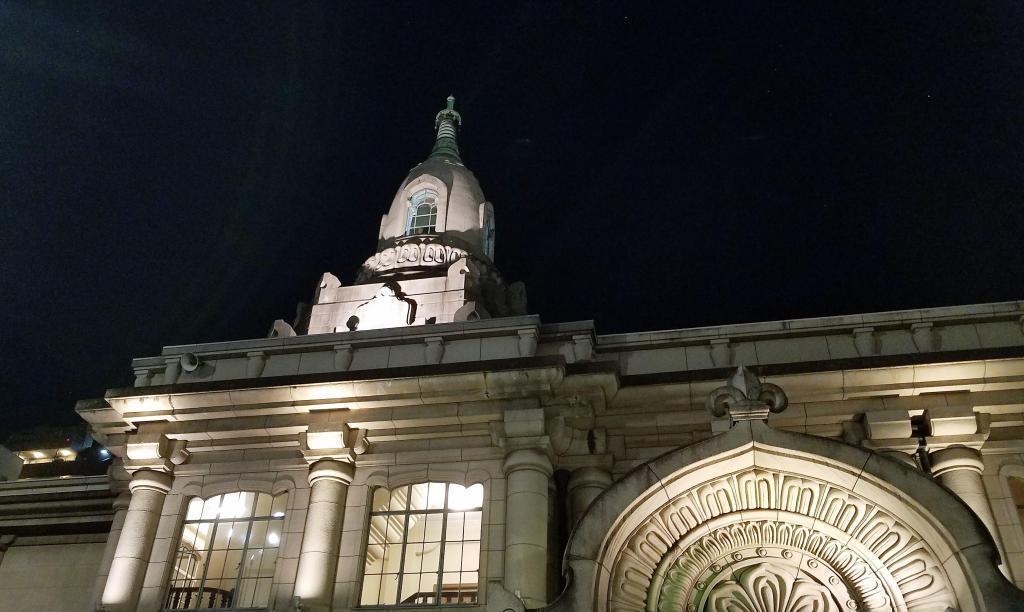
(184, 172)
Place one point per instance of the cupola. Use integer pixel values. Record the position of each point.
(434, 261)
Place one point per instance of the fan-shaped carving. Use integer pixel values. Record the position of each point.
(867, 549)
(764, 588)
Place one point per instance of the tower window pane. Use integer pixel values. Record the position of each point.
(422, 213)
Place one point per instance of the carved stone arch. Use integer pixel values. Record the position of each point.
(759, 519)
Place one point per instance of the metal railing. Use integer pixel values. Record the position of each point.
(196, 598)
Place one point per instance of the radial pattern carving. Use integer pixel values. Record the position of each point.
(699, 546)
(767, 588)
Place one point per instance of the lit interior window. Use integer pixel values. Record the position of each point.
(424, 545)
(422, 213)
(228, 552)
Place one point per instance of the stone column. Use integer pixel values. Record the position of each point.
(121, 505)
(321, 540)
(959, 469)
(526, 525)
(131, 556)
(5, 543)
(585, 485)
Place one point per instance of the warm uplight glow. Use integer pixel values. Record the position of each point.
(65, 452)
(325, 439)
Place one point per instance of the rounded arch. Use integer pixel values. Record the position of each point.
(808, 523)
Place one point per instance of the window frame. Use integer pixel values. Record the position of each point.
(423, 196)
(216, 521)
(444, 511)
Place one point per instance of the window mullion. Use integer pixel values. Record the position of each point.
(405, 543)
(241, 563)
(444, 536)
(206, 565)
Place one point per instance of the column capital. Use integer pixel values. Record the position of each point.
(956, 458)
(146, 479)
(527, 459)
(331, 469)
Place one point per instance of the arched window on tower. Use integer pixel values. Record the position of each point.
(422, 213)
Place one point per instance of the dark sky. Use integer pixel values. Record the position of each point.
(184, 172)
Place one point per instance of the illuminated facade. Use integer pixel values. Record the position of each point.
(419, 441)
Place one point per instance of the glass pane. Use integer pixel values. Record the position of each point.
(470, 587)
(413, 556)
(392, 557)
(229, 506)
(431, 557)
(246, 501)
(470, 556)
(269, 563)
(432, 529)
(456, 521)
(380, 499)
(221, 535)
(232, 563)
(452, 556)
(239, 530)
(216, 567)
(204, 535)
(378, 528)
(418, 496)
(389, 589)
(396, 529)
(374, 559)
(263, 502)
(251, 563)
(274, 534)
(399, 498)
(258, 534)
(416, 526)
(195, 509)
(371, 591)
(244, 593)
(436, 498)
(450, 588)
(211, 508)
(410, 586)
(428, 584)
(465, 498)
(262, 595)
(472, 529)
(280, 505)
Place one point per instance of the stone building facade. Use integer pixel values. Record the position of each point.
(419, 442)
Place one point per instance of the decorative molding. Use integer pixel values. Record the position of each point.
(745, 398)
(692, 552)
(419, 252)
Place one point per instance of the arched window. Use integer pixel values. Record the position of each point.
(424, 545)
(227, 552)
(422, 213)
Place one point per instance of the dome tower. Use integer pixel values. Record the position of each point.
(435, 253)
